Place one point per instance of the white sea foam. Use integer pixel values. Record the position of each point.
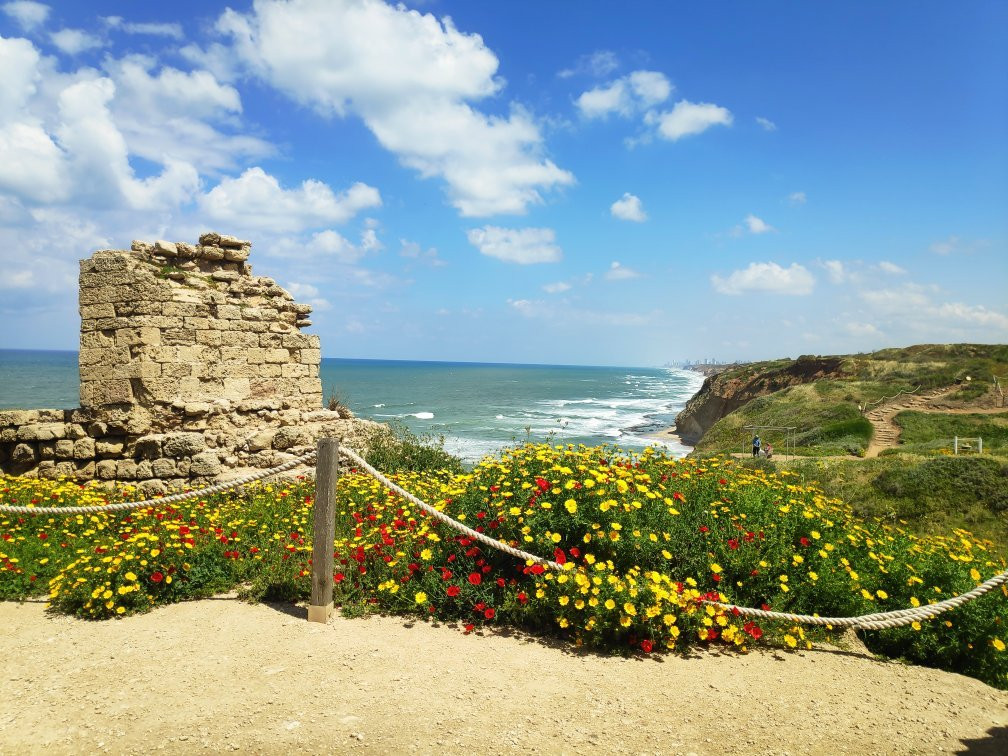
(379, 405)
(500, 417)
(423, 415)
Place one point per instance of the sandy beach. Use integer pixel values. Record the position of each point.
(222, 675)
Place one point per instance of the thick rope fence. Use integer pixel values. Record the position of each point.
(881, 399)
(327, 470)
(161, 501)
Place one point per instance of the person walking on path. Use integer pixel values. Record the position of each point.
(755, 446)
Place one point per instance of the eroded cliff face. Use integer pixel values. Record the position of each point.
(725, 392)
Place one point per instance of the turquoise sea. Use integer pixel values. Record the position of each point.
(477, 407)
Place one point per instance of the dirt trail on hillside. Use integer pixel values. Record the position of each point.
(221, 675)
(887, 432)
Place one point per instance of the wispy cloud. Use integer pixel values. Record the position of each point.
(766, 123)
(619, 272)
(797, 198)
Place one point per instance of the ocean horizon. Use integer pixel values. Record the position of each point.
(477, 408)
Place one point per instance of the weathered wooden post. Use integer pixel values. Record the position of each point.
(955, 445)
(326, 474)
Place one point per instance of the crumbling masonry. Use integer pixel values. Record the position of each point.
(191, 369)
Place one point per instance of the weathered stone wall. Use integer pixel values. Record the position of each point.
(191, 368)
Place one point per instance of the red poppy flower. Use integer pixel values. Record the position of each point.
(522, 597)
(469, 628)
(453, 591)
(543, 484)
(489, 613)
(559, 556)
(646, 645)
(157, 577)
(575, 552)
(501, 582)
(733, 543)
(446, 574)
(338, 577)
(803, 541)
(704, 528)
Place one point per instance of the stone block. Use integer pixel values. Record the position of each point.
(144, 470)
(236, 389)
(84, 470)
(290, 437)
(310, 357)
(166, 248)
(151, 391)
(185, 309)
(64, 449)
(142, 336)
(293, 340)
(148, 447)
(182, 444)
(261, 440)
(84, 448)
(110, 392)
(47, 449)
(41, 432)
(106, 310)
(239, 338)
(232, 242)
(205, 464)
(211, 252)
(24, 456)
(178, 336)
(103, 356)
(8, 435)
(126, 469)
(75, 431)
(163, 468)
(277, 355)
(47, 469)
(272, 370)
(111, 446)
(295, 370)
(105, 469)
(137, 369)
(232, 254)
(18, 417)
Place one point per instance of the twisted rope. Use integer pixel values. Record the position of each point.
(163, 500)
(886, 398)
(441, 516)
(877, 621)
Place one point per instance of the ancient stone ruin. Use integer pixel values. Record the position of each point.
(191, 370)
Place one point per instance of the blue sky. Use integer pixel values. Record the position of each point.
(525, 182)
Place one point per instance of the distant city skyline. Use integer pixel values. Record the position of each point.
(525, 182)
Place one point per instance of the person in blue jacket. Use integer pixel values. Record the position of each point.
(756, 446)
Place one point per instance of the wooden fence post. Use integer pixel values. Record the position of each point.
(326, 474)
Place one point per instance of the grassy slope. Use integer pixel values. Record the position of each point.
(916, 483)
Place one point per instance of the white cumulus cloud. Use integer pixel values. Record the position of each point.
(628, 208)
(757, 225)
(525, 246)
(152, 29)
(28, 14)
(412, 79)
(625, 96)
(687, 118)
(836, 271)
(256, 200)
(75, 41)
(556, 288)
(768, 277)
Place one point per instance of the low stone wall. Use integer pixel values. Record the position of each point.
(207, 448)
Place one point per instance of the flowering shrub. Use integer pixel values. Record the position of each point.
(641, 538)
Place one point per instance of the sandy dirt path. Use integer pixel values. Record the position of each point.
(222, 675)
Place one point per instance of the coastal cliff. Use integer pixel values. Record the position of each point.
(726, 391)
